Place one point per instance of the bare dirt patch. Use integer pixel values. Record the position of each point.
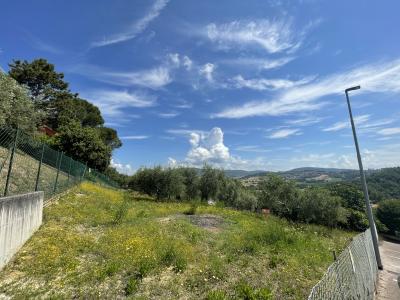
(211, 223)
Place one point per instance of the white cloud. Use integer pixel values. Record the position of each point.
(272, 35)
(187, 63)
(284, 133)
(267, 84)
(304, 121)
(389, 131)
(172, 162)
(136, 28)
(168, 115)
(209, 147)
(358, 120)
(259, 63)
(384, 78)
(41, 45)
(175, 59)
(134, 137)
(252, 148)
(154, 78)
(113, 103)
(122, 168)
(207, 71)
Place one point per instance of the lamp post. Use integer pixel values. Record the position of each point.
(364, 183)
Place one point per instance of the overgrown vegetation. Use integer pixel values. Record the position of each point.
(101, 243)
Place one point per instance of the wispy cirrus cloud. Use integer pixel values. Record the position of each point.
(272, 35)
(389, 131)
(153, 78)
(379, 77)
(346, 124)
(258, 63)
(168, 115)
(305, 121)
(136, 28)
(284, 133)
(262, 84)
(113, 103)
(134, 137)
(252, 148)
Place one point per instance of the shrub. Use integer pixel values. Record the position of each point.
(320, 207)
(279, 195)
(388, 213)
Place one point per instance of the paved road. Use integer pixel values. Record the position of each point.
(389, 278)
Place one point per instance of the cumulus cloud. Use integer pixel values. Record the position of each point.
(113, 103)
(136, 28)
(271, 35)
(209, 147)
(381, 77)
(122, 168)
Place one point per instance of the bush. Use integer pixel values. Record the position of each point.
(279, 195)
(388, 213)
(318, 206)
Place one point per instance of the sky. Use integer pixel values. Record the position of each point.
(253, 85)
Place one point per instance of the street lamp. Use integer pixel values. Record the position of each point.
(364, 183)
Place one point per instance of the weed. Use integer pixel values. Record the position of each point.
(192, 208)
(131, 286)
(216, 295)
(246, 292)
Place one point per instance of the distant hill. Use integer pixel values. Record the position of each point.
(242, 173)
(382, 183)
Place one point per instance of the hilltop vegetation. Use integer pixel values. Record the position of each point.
(101, 243)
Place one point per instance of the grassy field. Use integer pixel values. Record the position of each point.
(102, 243)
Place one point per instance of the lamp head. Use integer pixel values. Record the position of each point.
(352, 88)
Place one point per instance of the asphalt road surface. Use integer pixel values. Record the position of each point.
(389, 277)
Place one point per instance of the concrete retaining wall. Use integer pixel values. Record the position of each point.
(20, 216)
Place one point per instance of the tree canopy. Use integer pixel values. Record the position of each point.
(40, 78)
(16, 108)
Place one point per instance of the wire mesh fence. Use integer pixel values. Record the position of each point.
(353, 275)
(28, 165)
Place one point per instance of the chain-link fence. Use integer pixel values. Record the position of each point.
(27, 165)
(353, 275)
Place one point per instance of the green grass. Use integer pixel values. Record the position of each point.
(101, 243)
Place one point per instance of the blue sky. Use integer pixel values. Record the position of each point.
(254, 85)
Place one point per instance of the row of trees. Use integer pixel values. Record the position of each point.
(337, 205)
(34, 94)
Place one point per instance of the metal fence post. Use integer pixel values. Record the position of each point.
(69, 169)
(38, 172)
(84, 171)
(11, 163)
(58, 172)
